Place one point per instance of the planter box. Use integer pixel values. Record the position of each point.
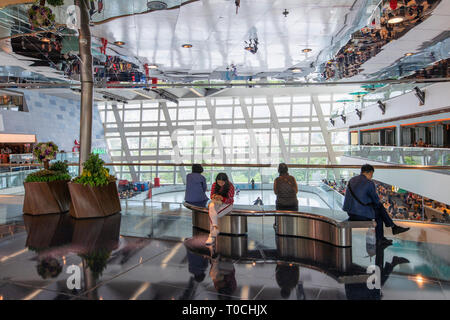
(46, 197)
(93, 202)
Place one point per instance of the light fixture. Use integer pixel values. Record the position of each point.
(409, 54)
(420, 95)
(306, 50)
(187, 45)
(156, 5)
(45, 40)
(285, 13)
(382, 106)
(296, 70)
(248, 48)
(344, 118)
(396, 19)
(359, 113)
(332, 122)
(153, 66)
(119, 43)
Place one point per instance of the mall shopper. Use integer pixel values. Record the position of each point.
(286, 189)
(196, 187)
(222, 199)
(258, 202)
(363, 204)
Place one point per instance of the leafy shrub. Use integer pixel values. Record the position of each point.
(60, 166)
(55, 3)
(94, 173)
(47, 176)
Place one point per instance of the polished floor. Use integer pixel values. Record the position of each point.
(158, 255)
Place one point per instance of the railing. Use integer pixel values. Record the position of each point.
(313, 192)
(402, 155)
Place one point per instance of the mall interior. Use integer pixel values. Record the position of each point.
(106, 105)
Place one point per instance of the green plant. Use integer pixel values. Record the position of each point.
(96, 261)
(55, 3)
(44, 152)
(94, 173)
(60, 166)
(40, 16)
(47, 176)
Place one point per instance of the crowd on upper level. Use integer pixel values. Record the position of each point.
(368, 42)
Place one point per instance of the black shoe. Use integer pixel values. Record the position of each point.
(384, 242)
(398, 260)
(398, 229)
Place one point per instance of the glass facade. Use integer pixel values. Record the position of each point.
(231, 130)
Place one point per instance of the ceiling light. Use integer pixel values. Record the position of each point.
(153, 66)
(296, 70)
(187, 45)
(306, 50)
(396, 19)
(156, 5)
(119, 43)
(248, 48)
(409, 54)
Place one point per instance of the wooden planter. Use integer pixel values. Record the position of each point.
(93, 202)
(46, 197)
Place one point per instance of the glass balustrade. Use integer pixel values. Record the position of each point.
(159, 210)
(401, 155)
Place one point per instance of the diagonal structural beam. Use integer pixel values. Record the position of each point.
(326, 135)
(253, 143)
(217, 135)
(124, 141)
(170, 128)
(276, 124)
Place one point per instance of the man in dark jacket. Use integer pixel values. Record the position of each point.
(362, 204)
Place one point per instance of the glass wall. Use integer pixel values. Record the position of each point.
(231, 130)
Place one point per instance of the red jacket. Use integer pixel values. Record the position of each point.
(230, 198)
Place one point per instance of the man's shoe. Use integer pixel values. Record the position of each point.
(398, 229)
(398, 260)
(384, 242)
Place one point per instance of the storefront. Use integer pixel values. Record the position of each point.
(16, 148)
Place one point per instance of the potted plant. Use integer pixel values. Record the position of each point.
(94, 193)
(46, 190)
(42, 16)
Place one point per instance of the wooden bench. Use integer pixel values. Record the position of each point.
(312, 223)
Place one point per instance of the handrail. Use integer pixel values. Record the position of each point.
(243, 165)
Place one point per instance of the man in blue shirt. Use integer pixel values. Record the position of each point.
(363, 204)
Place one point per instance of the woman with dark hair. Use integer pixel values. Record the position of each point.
(286, 189)
(222, 199)
(196, 187)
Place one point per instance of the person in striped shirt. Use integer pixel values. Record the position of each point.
(222, 199)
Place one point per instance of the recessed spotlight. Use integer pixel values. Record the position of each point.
(395, 20)
(296, 70)
(187, 45)
(306, 50)
(409, 54)
(119, 43)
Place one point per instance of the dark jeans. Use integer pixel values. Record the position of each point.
(381, 216)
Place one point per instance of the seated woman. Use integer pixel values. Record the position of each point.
(286, 189)
(196, 187)
(222, 193)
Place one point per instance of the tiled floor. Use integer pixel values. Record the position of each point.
(155, 254)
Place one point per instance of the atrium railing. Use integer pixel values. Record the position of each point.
(321, 187)
(401, 155)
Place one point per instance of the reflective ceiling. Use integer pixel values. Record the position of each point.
(217, 35)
